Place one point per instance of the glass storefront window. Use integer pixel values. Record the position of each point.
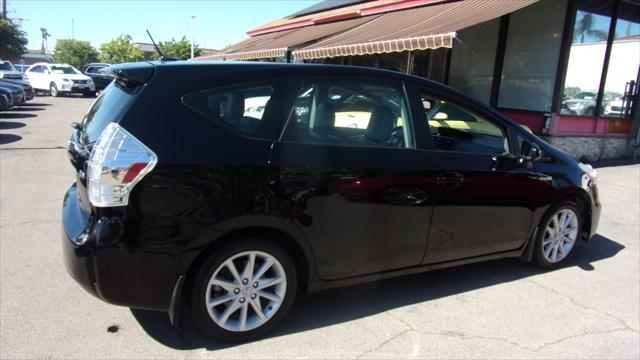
(389, 61)
(531, 56)
(473, 59)
(586, 58)
(623, 64)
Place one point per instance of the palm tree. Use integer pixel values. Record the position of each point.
(45, 36)
(584, 27)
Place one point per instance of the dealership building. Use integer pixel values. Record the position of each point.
(567, 69)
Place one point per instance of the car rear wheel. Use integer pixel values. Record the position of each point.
(558, 235)
(243, 290)
(53, 90)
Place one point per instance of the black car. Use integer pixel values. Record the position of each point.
(101, 80)
(6, 99)
(232, 187)
(29, 93)
(17, 92)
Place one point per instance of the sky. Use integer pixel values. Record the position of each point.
(218, 23)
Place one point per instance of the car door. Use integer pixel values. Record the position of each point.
(483, 200)
(35, 76)
(351, 176)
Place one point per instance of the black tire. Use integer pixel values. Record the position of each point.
(53, 90)
(199, 287)
(88, 94)
(539, 258)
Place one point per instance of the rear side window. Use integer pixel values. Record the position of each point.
(251, 110)
(108, 107)
(350, 112)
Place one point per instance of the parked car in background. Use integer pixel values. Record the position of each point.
(101, 80)
(266, 200)
(29, 92)
(17, 92)
(584, 103)
(6, 99)
(21, 67)
(60, 79)
(8, 71)
(617, 107)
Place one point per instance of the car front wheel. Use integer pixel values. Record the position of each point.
(243, 290)
(53, 90)
(558, 235)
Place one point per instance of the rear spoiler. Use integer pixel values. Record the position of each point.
(132, 74)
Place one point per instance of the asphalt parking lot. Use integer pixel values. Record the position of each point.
(499, 309)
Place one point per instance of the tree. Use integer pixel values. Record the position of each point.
(75, 53)
(13, 41)
(45, 37)
(180, 49)
(584, 27)
(120, 50)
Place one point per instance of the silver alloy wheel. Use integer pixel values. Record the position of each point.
(244, 300)
(560, 235)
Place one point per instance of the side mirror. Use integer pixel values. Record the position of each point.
(47, 72)
(531, 151)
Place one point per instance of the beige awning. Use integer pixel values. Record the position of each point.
(249, 46)
(275, 45)
(428, 27)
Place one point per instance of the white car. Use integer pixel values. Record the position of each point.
(616, 107)
(8, 71)
(60, 79)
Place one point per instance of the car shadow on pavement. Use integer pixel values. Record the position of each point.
(30, 108)
(5, 125)
(29, 104)
(14, 115)
(354, 302)
(9, 138)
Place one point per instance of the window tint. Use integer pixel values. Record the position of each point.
(250, 110)
(454, 128)
(473, 60)
(531, 56)
(57, 69)
(350, 113)
(108, 107)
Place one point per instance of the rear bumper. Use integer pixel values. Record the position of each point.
(98, 256)
(78, 259)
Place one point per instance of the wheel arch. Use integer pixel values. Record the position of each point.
(580, 197)
(297, 248)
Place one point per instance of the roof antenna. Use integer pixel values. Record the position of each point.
(162, 58)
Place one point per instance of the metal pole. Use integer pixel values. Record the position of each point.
(192, 33)
(4, 9)
(73, 29)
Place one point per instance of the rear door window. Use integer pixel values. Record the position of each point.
(252, 110)
(350, 112)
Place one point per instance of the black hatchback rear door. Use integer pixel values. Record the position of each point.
(351, 177)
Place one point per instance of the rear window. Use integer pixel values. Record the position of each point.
(251, 110)
(108, 107)
(5, 65)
